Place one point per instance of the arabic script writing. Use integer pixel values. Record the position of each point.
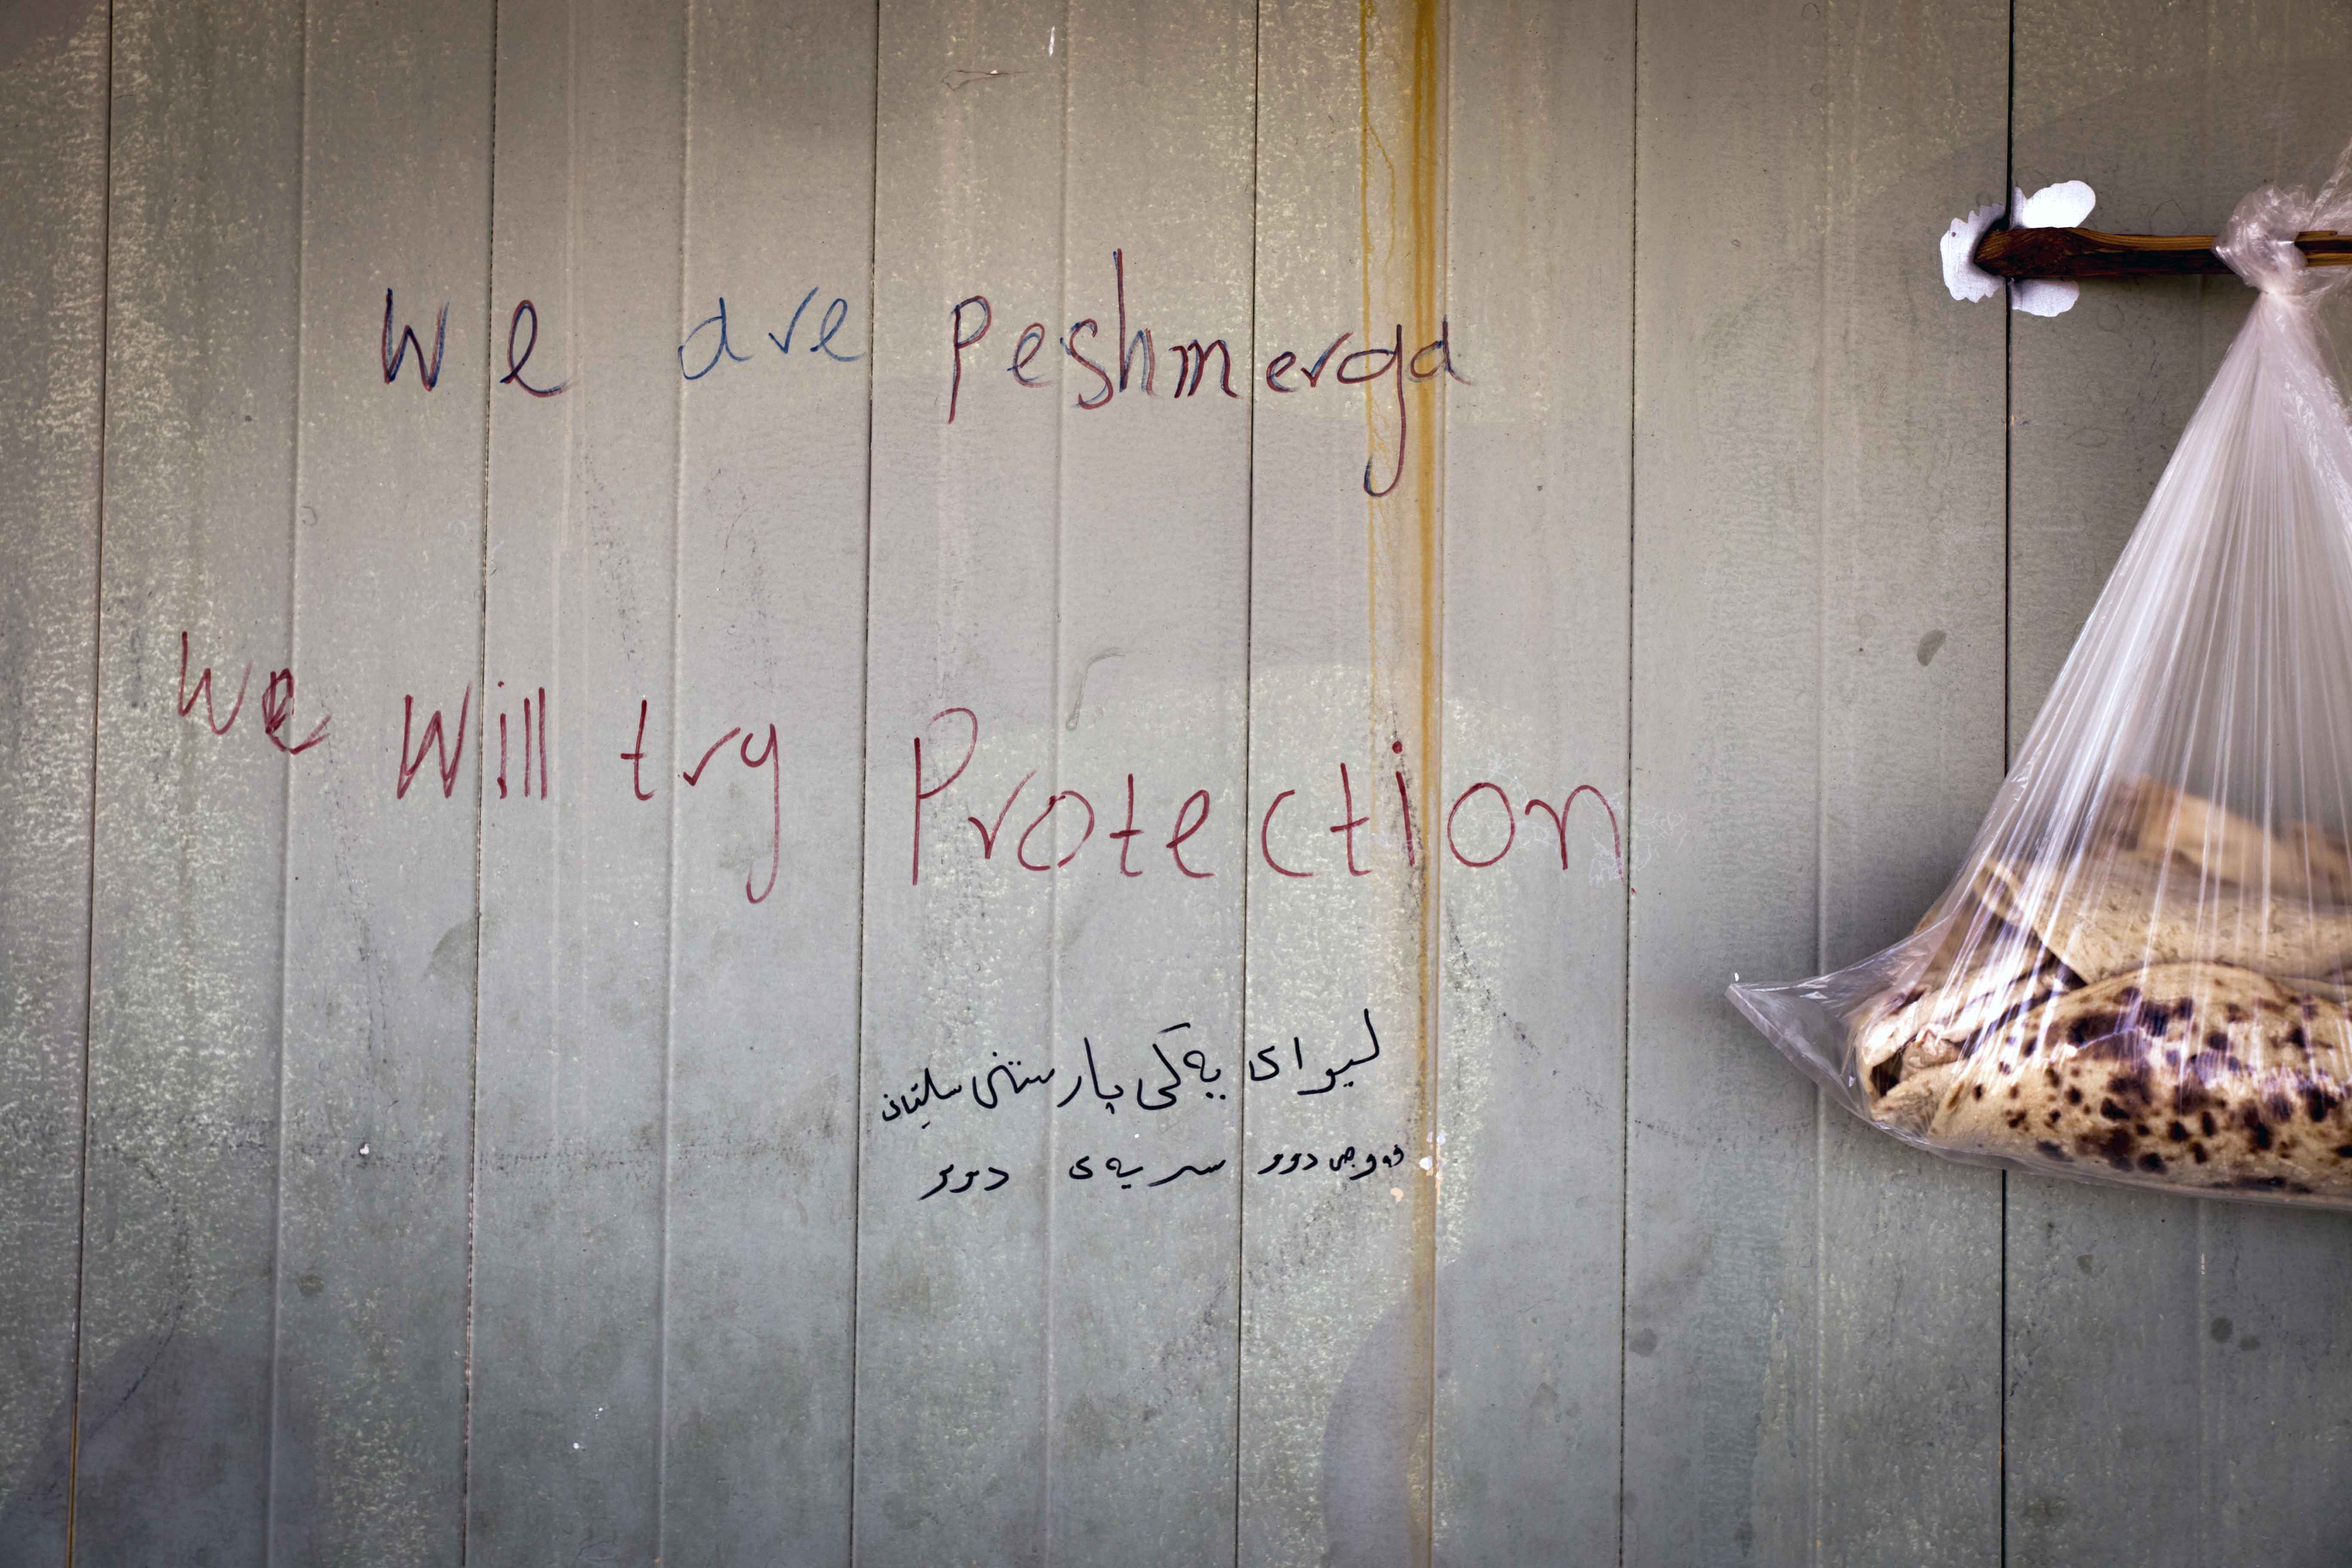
(1187, 1073)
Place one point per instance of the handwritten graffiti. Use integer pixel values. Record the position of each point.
(515, 364)
(427, 371)
(710, 344)
(972, 317)
(1300, 1161)
(449, 755)
(1003, 1082)
(277, 705)
(1177, 1071)
(1058, 831)
(1382, 361)
(1333, 1078)
(946, 1175)
(532, 750)
(1116, 1169)
(1481, 827)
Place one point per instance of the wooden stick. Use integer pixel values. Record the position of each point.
(2087, 253)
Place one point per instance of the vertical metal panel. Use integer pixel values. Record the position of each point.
(1814, 479)
(772, 567)
(186, 926)
(54, 74)
(577, 881)
(1911, 658)
(1723, 1190)
(1346, 634)
(1152, 664)
(376, 1094)
(2171, 1363)
(1537, 505)
(2099, 1282)
(953, 1299)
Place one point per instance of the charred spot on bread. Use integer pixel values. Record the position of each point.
(2116, 1148)
(1887, 1075)
(2126, 1044)
(2257, 1129)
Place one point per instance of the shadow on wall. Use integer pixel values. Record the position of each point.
(1372, 1440)
(182, 1482)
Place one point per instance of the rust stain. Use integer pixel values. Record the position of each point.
(1402, 217)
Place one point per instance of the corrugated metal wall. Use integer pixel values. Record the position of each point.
(614, 1124)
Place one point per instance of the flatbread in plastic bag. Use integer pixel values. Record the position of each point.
(2139, 973)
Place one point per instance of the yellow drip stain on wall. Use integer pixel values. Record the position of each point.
(1402, 225)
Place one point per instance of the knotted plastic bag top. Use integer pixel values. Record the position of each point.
(2143, 971)
(2259, 240)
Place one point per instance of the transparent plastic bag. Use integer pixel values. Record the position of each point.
(2143, 972)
